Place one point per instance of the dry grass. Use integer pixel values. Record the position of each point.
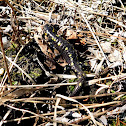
(98, 30)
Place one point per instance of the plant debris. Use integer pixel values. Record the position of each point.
(35, 78)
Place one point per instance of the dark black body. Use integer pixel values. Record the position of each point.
(69, 54)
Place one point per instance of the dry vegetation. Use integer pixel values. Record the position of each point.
(34, 87)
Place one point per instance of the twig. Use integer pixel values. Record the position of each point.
(11, 66)
(19, 68)
(12, 6)
(37, 115)
(4, 58)
(101, 113)
(122, 5)
(117, 22)
(5, 116)
(108, 63)
(73, 100)
(62, 111)
(39, 85)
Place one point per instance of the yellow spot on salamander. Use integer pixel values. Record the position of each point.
(46, 34)
(53, 39)
(66, 48)
(83, 74)
(53, 30)
(71, 58)
(57, 35)
(59, 43)
(70, 55)
(80, 84)
(72, 64)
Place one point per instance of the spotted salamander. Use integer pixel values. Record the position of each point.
(68, 53)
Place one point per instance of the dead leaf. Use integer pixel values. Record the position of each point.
(71, 34)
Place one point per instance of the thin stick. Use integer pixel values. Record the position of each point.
(38, 115)
(10, 68)
(4, 58)
(107, 61)
(19, 68)
(101, 113)
(12, 6)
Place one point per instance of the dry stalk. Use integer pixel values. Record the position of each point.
(4, 58)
